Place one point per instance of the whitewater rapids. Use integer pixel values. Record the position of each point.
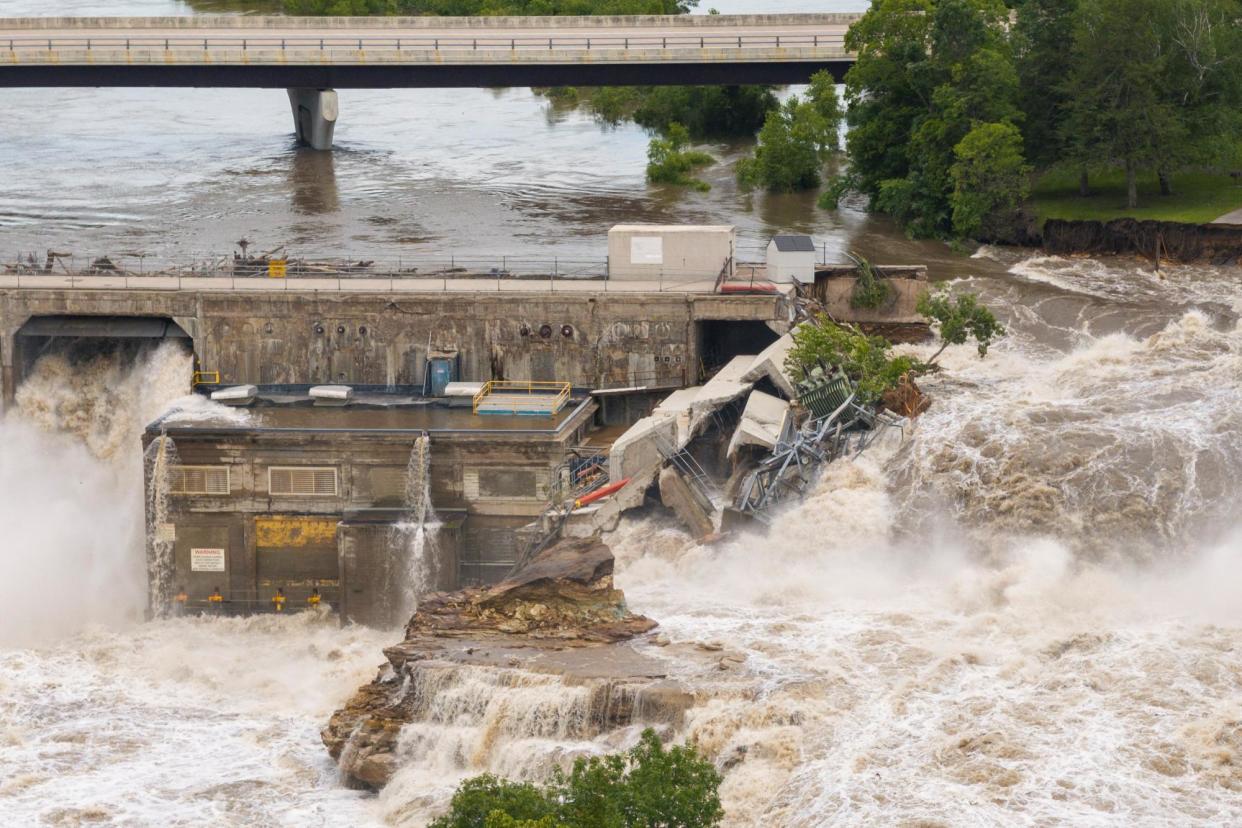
(1027, 612)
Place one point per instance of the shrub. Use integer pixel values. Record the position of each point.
(869, 290)
(670, 162)
(649, 786)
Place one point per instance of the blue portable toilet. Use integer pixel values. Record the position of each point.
(441, 370)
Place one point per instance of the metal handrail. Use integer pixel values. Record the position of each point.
(335, 284)
(431, 43)
(531, 387)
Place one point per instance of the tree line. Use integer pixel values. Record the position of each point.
(954, 104)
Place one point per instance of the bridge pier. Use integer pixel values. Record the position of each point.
(314, 116)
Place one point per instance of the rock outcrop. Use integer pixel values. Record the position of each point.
(558, 623)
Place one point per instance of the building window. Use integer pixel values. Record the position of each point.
(307, 481)
(199, 480)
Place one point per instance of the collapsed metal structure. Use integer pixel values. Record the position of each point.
(838, 425)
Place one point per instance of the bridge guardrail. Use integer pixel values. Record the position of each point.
(169, 43)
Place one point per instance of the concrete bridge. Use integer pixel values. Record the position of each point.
(311, 57)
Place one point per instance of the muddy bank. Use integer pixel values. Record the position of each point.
(1216, 244)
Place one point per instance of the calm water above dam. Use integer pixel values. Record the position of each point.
(1029, 613)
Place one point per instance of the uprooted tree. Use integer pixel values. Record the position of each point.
(868, 360)
(958, 319)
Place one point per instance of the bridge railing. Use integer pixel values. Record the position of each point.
(422, 43)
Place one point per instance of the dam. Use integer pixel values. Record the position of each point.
(344, 410)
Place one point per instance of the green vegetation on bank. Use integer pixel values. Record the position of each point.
(955, 104)
(1198, 197)
(649, 785)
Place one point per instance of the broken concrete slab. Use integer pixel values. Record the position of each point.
(678, 405)
(639, 447)
(771, 364)
(725, 387)
(677, 495)
(763, 420)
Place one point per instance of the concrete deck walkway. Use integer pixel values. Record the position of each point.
(1234, 217)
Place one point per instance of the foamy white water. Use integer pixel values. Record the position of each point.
(1029, 613)
(184, 722)
(107, 720)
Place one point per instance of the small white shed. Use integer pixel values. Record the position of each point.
(676, 253)
(791, 259)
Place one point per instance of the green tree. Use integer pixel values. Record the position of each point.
(795, 142)
(476, 799)
(1118, 112)
(705, 111)
(822, 95)
(649, 786)
(1042, 33)
(990, 180)
(867, 360)
(927, 71)
(958, 319)
(670, 162)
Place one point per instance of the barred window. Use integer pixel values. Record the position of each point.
(301, 480)
(202, 480)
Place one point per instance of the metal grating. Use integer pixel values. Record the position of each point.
(202, 480)
(302, 481)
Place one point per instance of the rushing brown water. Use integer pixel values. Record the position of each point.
(1026, 613)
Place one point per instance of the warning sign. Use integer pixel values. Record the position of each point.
(206, 560)
(277, 268)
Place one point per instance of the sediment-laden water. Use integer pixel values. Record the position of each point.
(1028, 612)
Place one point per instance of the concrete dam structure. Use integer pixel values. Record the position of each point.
(383, 440)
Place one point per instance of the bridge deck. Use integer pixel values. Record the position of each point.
(343, 52)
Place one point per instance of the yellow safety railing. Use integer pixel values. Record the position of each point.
(557, 392)
(206, 377)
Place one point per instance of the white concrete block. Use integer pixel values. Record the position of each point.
(771, 364)
(763, 420)
(638, 449)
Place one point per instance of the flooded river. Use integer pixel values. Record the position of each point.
(1027, 613)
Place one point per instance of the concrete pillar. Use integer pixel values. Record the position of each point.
(314, 116)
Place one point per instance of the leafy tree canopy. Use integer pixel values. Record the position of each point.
(649, 786)
(795, 141)
(959, 319)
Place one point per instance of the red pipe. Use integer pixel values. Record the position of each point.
(599, 494)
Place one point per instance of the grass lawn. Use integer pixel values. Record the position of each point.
(1198, 197)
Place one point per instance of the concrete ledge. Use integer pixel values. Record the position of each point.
(153, 283)
(259, 23)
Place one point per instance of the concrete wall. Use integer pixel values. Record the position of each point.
(491, 484)
(670, 252)
(617, 340)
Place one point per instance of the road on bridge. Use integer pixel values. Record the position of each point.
(392, 52)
